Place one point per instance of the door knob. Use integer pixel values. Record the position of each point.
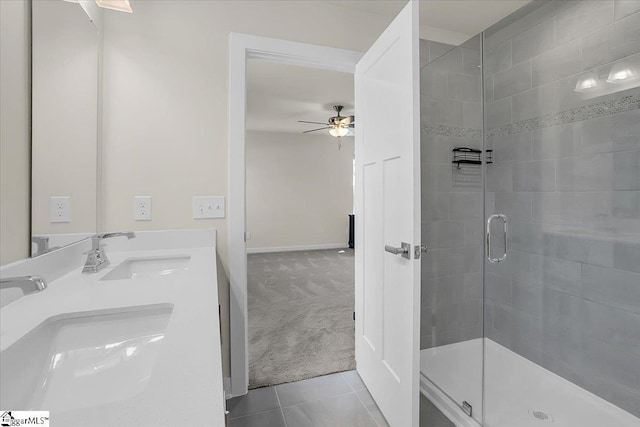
(404, 250)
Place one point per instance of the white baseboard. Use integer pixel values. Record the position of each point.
(297, 248)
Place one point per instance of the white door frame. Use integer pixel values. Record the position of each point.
(241, 48)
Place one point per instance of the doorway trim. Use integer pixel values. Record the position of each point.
(241, 48)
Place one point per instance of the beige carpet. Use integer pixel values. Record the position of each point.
(300, 315)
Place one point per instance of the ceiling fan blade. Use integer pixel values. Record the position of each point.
(313, 130)
(315, 123)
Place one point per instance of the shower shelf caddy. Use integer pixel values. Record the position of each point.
(470, 156)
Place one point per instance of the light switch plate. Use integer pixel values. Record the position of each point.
(208, 207)
(60, 209)
(142, 208)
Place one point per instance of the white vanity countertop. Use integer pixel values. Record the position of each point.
(185, 386)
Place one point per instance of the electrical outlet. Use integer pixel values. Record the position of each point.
(142, 208)
(208, 207)
(60, 209)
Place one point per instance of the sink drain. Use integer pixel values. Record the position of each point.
(541, 416)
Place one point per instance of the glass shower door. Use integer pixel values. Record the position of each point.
(562, 310)
(452, 224)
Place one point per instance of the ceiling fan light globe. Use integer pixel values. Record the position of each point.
(338, 131)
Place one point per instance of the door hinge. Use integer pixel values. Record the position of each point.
(467, 408)
(354, 316)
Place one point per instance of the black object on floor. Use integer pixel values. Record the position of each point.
(352, 231)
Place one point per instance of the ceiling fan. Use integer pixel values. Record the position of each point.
(338, 125)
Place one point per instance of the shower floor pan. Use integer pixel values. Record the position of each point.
(518, 393)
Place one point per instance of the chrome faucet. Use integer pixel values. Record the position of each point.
(28, 284)
(97, 257)
(42, 244)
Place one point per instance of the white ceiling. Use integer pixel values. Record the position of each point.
(280, 95)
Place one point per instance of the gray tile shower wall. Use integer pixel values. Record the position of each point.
(567, 173)
(451, 92)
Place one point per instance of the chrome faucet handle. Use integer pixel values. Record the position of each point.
(96, 261)
(97, 257)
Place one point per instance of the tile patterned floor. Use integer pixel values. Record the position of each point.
(337, 400)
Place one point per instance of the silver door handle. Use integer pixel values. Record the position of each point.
(404, 250)
(505, 222)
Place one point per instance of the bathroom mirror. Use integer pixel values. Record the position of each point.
(65, 71)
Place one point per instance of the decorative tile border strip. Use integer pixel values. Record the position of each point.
(578, 114)
(452, 131)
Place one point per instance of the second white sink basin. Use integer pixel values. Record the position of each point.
(82, 360)
(138, 268)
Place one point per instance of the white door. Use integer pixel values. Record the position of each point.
(387, 212)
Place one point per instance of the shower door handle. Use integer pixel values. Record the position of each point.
(505, 222)
(404, 250)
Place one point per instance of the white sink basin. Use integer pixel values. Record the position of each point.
(80, 360)
(138, 268)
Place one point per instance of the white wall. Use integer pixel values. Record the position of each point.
(165, 96)
(299, 189)
(65, 112)
(14, 130)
